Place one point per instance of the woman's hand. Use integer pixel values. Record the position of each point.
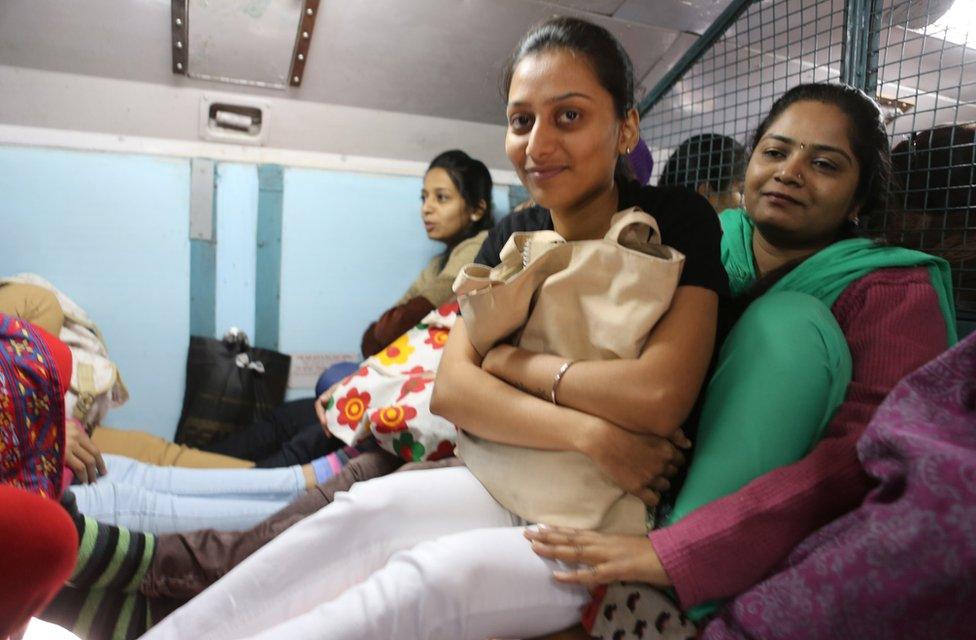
(640, 464)
(608, 558)
(320, 404)
(494, 358)
(80, 453)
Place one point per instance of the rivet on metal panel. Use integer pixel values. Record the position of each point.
(179, 44)
(179, 22)
(309, 11)
(179, 65)
(296, 79)
(301, 56)
(305, 35)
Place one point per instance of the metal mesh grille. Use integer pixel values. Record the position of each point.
(699, 130)
(926, 82)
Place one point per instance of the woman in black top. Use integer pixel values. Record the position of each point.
(430, 554)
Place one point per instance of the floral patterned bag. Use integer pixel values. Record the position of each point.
(388, 398)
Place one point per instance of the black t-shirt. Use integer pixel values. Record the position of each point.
(686, 220)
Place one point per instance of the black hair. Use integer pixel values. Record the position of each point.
(604, 53)
(473, 181)
(869, 142)
(867, 136)
(709, 158)
(937, 169)
(935, 172)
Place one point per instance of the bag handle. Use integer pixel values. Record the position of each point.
(634, 227)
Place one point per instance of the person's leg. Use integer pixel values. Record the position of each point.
(144, 510)
(782, 372)
(258, 484)
(151, 449)
(187, 563)
(99, 614)
(309, 443)
(100, 598)
(335, 548)
(265, 437)
(186, 499)
(474, 585)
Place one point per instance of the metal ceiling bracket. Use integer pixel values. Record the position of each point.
(303, 39)
(181, 32)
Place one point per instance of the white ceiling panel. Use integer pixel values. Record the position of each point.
(601, 7)
(432, 57)
(693, 16)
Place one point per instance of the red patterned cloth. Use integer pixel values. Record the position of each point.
(35, 369)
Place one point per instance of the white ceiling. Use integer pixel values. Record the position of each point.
(428, 57)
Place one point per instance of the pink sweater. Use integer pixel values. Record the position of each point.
(893, 325)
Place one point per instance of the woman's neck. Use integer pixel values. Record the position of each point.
(769, 257)
(590, 219)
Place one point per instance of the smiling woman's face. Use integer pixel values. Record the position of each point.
(802, 177)
(563, 134)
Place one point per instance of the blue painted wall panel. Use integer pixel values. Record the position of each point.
(112, 232)
(237, 223)
(351, 245)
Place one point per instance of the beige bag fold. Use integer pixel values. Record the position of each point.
(583, 300)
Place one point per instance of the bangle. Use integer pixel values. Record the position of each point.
(556, 379)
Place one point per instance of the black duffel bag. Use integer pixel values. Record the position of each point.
(229, 384)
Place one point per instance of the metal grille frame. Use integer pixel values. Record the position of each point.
(921, 70)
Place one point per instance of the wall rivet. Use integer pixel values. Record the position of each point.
(301, 56)
(305, 34)
(295, 79)
(309, 11)
(179, 66)
(179, 45)
(179, 22)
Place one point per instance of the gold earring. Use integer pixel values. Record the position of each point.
(628, 151)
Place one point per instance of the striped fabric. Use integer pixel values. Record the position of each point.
(101, 601)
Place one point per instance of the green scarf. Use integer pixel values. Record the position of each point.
(826, 274)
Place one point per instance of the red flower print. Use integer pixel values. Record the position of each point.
(417, 382)
(352, 407)
(449, 308)
(437, 337)
(361, 373)
(445, 449)
(392, 418)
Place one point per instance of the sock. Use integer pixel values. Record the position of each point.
(109, 557)
(330, 465)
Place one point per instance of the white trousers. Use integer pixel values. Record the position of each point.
(423, 554)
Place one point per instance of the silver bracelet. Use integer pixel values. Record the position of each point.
(556, 379)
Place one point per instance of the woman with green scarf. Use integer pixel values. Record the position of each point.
(832, 321)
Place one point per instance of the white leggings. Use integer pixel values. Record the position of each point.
(422, 554)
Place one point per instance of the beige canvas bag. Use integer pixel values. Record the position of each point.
(583, 300)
